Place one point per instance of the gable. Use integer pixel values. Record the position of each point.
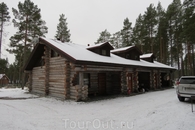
(36, 57)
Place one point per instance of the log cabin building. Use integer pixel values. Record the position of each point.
(72, 71)
(4, 80)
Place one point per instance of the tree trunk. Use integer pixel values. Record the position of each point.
(178, 62)
(24, 59)
(1, 34)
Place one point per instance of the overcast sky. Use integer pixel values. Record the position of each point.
(85, 18)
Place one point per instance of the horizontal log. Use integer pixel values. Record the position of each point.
(57, 95)
(38, 92)
(56, 81)
(75, 94)
(75, 91)
(57, 92)
(57, 58)
(38, 78)
(38, 87)
(35, 73)
(57, 84)
(57, 72)
(55, 76)
(56, 89)
(39, 68)
(75, 98)
(38, 83)
(57, 64)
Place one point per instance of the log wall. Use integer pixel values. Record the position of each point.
(38, 80)
(57, 77)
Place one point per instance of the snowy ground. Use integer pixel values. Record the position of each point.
(158, 110)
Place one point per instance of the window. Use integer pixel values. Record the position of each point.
(104, 52)
(54, 54)
(187, 81)
(127, 56)
(136, 57)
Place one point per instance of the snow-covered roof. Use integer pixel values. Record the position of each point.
(80, 53)
(122, 49)
(146, 55)
(96, 45)
(1, 75)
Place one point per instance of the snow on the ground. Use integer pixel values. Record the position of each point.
(158, 110)
(15, 93)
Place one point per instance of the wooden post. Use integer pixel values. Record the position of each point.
(123, 82)
(30, 81)
(151, 79)
(154, 80)
(67, 80)
(135, 80)
(47, 58)
(81, 79)
(159, 78)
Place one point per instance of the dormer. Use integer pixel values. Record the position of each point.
(101, 49)
(130, 52)
(148, 57)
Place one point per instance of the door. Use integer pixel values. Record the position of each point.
(102, 83)
(129, 82)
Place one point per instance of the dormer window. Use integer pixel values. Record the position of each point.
(130, 52)
(127, 56)
(136, 57)
(104, 52)
(148, 57)
(101, 49)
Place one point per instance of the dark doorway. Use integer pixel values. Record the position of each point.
(144, 80)
(116, 83)
(101, 83)
(164, 80)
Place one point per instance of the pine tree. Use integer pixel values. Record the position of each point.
(105, 36)
(30, 26)
(126, 33)
(161, 37)
(188, 34)
(150, 23)
(3, 66)
(139, 32)
(62, 30)
(4, 17)
(173, 12)
(116, 40)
